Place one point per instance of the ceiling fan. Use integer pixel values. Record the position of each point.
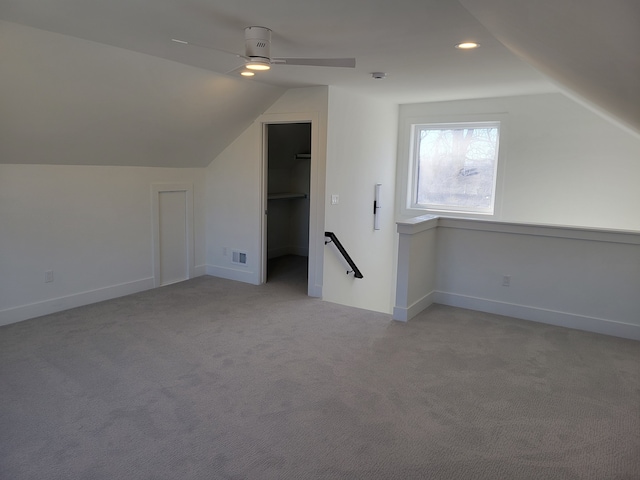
(258, 57)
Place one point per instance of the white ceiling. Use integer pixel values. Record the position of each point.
(411, 40)
(587, 48)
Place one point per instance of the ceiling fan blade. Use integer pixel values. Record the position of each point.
(184, 42)
(236, 71)
(318, 62)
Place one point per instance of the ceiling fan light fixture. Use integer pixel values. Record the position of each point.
(247, 73)
(467, 45)
(258, 65)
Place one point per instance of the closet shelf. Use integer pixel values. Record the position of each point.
(285, 196)
(303, 156)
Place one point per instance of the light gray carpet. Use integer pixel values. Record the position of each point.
(214, 379)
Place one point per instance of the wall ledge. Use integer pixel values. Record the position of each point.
(542, 230)
(425, 222)
(419, 224)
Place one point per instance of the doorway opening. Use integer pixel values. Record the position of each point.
(288, 184)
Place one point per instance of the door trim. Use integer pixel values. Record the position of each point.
(316, 197)
(156, 190)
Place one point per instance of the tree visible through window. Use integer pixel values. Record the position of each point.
(455, 166)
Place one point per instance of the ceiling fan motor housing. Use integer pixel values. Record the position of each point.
(258, 43)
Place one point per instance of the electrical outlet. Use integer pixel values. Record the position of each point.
(506, 280)
(48, 276)
(224, 251)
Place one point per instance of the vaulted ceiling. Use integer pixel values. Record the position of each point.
(588, 47)
(106, 73)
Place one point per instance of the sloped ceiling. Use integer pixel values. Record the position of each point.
(97, 82)
(76, 102)
(589, 47)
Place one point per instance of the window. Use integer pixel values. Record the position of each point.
(455, 167)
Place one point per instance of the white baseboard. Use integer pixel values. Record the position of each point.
(240, 275)
(551, 317)
(199, 270)
(404, 314)
(315, 291)
(45, 307)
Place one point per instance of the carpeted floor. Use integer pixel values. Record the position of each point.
(214, 379)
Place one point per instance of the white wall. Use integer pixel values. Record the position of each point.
(564, 164)
(579, 278)
(586, 274)
(90, 225)
(235, 190)
(417, 266)
(361, 151)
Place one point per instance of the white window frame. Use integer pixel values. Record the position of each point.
(406, 184)
(414, 164)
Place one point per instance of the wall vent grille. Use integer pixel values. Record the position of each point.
(239, 258)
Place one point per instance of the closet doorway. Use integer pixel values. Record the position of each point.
(288, 178)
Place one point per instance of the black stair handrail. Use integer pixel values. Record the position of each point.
(354, 269)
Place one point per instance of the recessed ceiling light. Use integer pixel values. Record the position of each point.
(247, 73)
(467, 45)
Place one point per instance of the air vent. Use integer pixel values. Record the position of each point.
(239, 258)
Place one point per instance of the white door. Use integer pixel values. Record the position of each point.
(173, 238)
